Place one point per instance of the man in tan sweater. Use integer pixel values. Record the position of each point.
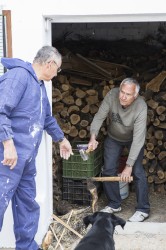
(126, 112)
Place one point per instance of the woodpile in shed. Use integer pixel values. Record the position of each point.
(155, 145)
(85, 80)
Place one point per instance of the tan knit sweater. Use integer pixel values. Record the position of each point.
(125, 125)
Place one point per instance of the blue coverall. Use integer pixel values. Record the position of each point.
(24, 113)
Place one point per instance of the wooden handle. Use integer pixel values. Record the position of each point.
(108, 178)
(88, 150)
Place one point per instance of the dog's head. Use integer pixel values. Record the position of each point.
(115, 220)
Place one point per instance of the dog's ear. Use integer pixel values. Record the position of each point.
(121, 222)
(86, 220)
(90, 219)
(118, 221)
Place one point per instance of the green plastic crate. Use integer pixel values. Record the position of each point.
(75, 167)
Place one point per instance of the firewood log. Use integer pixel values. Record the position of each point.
(62, 78)
(65, 94)
(91, 92)
(150, 155)
(160, 142)
(163, 164)
(73, 108)
(84, 123)
(157, 180)
(159, 134)
(152, 166)
(145, 151)
(152, 140)
(92, 99)
(148, 94)
(160, 109)
(74, 118)
(64, 113)
(69, 100)
(156, 122)
(73, 131)
(156, 82)
(162, 117)
(162, 155)
(82, 133)
(161, 96)
(160, 173)
(151, 113)
(149, 146)
(85, 109)
(152, 104)
(156, 150)
(145, 161)
(164, 145)
(56, 95)
(93, 109)
(150, 178)
(66, 127)
(80, 93)
(95, 67)
(160, 188)
(150, 132)
(162, 125)
(58, 107)
(65, 87)
(78, 102)
(105, 91)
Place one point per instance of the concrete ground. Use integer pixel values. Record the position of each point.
(149, 235)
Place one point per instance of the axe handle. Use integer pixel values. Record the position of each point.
(88, 150)
(108, 178)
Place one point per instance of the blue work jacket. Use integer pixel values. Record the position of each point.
(24, 108)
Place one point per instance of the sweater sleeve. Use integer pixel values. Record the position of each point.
(11, 92)
(101, 115)
(139, 134)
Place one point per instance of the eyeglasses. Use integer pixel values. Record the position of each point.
(58, 68)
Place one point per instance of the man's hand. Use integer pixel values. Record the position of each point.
(65, 149)
(93, 143)
(10, 154)
(126, 174)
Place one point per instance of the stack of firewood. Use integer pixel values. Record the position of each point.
(155, 145)
(75, 107)
(76, 99)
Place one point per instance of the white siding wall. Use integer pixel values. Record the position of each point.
(1, 42)
(28, 35)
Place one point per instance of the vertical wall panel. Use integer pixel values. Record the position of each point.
(1, 42)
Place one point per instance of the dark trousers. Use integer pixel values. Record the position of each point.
(112, 153)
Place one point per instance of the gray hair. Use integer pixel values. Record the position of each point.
(46, 54)
(131, 81)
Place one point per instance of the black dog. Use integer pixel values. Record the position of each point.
(100, 236)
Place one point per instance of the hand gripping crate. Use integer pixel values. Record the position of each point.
(75, 167)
